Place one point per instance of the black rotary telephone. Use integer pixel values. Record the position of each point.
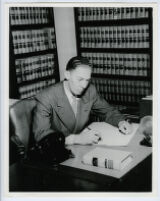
(50, 150)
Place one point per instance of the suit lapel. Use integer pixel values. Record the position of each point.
(66, 114)
(64, 109)
(83, 109)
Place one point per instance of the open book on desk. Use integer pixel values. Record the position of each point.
(111, 136)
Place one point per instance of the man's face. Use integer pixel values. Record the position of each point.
(78, 79)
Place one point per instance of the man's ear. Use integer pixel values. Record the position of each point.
(67, 74)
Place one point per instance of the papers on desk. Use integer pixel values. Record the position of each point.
(108, 158)
(111, 136)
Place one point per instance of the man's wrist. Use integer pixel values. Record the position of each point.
(124, 120)
(76, 139)
(121, 122)
(70, 140)
(128, 120)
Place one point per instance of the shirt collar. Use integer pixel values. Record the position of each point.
(67, 92)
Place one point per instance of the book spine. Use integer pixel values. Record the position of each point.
(102, 162)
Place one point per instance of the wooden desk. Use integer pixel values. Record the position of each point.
(74, 176)
(141, 155)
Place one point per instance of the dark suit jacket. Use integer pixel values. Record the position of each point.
(54, 112)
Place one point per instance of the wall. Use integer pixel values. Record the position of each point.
(65, 35)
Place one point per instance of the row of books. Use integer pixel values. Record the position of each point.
(34, 62)
(136, 36)
(33, 40)
(36, 74)
(122, 86)
(32, 89)
(32, 68)
(111, 13)
(119, 64)
(29, 15)
(126, 91)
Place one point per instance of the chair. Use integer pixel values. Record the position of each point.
(20, 127)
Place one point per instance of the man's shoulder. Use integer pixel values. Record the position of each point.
(50, 91)
(92, 88)
(91, 91)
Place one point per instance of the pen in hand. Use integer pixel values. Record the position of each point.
(95, 134)
(125, 128)
(121, 132)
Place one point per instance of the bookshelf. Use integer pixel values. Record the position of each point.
(118, 42)
(33, 52)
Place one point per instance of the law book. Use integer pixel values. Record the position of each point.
(108, 158)
(102, 13)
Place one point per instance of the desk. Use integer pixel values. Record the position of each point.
(73, 176)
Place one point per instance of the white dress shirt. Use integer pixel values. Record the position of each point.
(72, 99)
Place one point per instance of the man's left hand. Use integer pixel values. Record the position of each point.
(125, 127)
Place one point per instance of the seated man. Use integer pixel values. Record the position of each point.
(66, 107)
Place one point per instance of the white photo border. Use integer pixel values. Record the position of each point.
(4, 102)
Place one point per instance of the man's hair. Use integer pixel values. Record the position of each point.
(74, 62)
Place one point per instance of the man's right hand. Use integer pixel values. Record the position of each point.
(87, 136)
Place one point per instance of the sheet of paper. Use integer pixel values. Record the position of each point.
(111, 136)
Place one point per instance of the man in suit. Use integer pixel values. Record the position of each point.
(66, 107)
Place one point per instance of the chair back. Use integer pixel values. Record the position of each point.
(21, 119)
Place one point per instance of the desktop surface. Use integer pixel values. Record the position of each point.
(74, 176)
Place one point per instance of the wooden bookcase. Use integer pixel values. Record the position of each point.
(118, 42)
(33, 61)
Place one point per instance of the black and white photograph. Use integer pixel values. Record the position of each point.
(80, 98)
